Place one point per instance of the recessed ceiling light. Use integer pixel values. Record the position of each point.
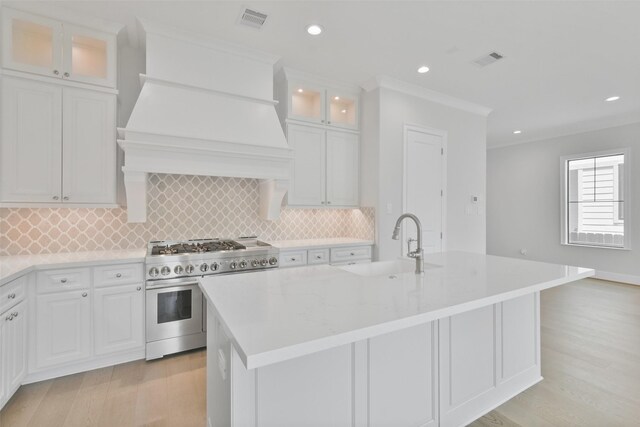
(344, 111)
(337, 98)
(300, 91)
(612, 98)
(423, 69)
(314, 29)
(517, 132)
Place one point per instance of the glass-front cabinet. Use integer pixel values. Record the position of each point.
(343, 109)
(306, 102)
(40, 45)
(322, 105)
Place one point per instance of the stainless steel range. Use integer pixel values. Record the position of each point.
(175, 307)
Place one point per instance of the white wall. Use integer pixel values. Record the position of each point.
(466, 166)
(523, 201)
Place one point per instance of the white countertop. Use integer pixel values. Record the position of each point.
(281, 314)
(12, 267)
(320, 243)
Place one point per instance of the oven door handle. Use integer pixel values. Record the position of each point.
(169, 285)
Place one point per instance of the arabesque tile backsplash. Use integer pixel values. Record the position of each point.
(179, 207)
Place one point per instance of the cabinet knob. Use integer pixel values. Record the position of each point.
(293, 259)
(65, 198)
(352, 254)
(66, 74)
(118, 275)
(139, 288)
(318, 257)
(328, 203)
(63, 280)
(322, 121)
(15, 314)
(11, 296)
(322, 203)
(56, 72)
(329, 122)
(84, 295)
(55, 197)
(9, 318)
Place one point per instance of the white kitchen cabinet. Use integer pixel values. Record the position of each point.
(58, 144)
(62, 328)
(118, 313)
(13, 348)
(3, 392)
(340, 255)
(325, 171)
(40, 45)
(89, 152)
(343, 165)
(503, 339)
(31, 146)
(308, 177)
(308, 98)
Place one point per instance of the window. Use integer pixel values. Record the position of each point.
(594, 194)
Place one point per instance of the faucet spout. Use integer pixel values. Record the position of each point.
(418, 253)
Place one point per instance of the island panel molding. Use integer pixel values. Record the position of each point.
(179, 207)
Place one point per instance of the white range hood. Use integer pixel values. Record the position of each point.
(205, 108)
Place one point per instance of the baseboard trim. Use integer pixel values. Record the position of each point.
(87, 365)
(629, 279)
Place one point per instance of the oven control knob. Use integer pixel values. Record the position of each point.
(243, 264)
(153, 272)
(165, 271)
(178, 269)
(214, 266)
(273, 261)
(189, 269)
(255, 263)
(263, 262)
(233, 265)
(204, 267)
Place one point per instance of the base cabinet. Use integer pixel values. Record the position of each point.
(63, 328)
(118, 318)
(447, 372)
(13, 347)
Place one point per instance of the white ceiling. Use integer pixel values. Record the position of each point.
(562, 58)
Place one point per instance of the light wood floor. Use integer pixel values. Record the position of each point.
(590, 362)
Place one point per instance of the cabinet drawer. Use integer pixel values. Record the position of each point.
(121, 274)
(293, 258)
(63, 280)
(12, 293)
(350, 253)
(318, 256)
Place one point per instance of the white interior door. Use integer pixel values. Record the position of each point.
(424, 186)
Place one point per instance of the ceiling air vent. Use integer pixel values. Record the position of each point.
(252, 19)
(485, 60)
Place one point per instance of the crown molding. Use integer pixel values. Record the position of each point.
(391, 83)
(575, 129)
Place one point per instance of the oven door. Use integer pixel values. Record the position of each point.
(173, 310)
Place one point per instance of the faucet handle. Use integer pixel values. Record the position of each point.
(410, 240)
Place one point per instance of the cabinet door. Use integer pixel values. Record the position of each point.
(31, 43)
(89, 56)
(342, 109)
(3, 393)
(308, 175)
(31, 146)
(14, 345)
(118, 318)
(343, 169)
(89, 147)
(306, 102)
(63, 332)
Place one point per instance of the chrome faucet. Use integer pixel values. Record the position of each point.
(418, 253)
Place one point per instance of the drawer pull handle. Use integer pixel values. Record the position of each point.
(139, 288)
(84, 295)
(63, 280)
(11, 296)
(353, 254)
(293, 259)
(119, 275)
(318, 256)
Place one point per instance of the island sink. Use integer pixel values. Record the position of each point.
(347, 346)
(386, 268)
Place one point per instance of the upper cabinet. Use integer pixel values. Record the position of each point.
(40, 45)
(308, 99)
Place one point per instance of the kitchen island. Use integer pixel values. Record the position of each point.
(375, 344)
